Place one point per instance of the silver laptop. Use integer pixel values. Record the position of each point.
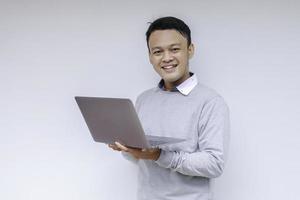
(115, 120)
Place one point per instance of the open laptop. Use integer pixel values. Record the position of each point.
(115, 120)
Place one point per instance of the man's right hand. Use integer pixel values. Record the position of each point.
(114, 147)
(138, 153)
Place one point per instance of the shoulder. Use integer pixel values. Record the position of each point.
(208, 95)
(204, 92)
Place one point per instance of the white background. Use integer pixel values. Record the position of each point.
(51, 51)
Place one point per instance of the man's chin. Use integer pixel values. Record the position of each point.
(170, 78)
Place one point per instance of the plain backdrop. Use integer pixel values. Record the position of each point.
(51, 51)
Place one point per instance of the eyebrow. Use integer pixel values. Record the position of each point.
(158, 47)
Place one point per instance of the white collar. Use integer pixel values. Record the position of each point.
(188, 85)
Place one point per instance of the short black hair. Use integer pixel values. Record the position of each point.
(165, 23)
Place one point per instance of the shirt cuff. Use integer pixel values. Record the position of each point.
(165, 159)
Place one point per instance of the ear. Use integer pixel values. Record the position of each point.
(191, 50)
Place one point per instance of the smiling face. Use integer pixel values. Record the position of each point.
(169, 54)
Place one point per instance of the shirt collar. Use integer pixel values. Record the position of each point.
(185, 87)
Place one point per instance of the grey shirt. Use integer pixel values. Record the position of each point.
(183, 170)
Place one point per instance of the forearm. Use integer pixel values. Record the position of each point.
(204, 164)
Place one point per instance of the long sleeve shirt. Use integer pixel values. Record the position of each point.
(198, 115)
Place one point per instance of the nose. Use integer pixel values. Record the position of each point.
(167, 57)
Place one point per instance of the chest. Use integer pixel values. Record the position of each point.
(171, 118)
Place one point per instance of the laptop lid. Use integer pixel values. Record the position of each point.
(112, 119)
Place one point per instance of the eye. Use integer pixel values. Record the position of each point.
(156, 52)
(175, 49)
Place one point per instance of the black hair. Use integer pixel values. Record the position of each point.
(165, 23)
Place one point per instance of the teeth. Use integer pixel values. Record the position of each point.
(168, 67)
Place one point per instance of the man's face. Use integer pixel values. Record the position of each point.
(169, 54)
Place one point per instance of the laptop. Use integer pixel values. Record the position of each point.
(111, 120)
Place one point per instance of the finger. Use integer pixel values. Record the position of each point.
(114, 147)
(122, 147)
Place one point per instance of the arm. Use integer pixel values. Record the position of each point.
(208, 161)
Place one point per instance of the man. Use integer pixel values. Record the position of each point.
(178, 107)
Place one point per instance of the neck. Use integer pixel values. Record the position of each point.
(170, 85)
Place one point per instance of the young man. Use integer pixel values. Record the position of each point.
(178, 107)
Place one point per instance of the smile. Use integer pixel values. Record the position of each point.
(169, 66)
